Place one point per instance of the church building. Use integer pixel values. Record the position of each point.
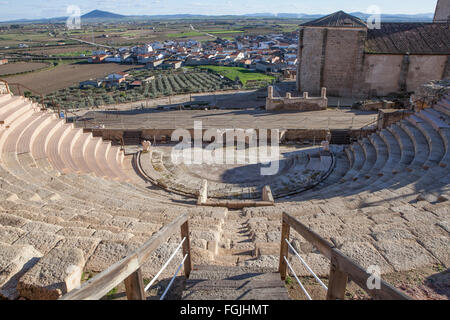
(353, 59)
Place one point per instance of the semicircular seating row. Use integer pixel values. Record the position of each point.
(62, 188)
(296, 173)
(386, 201)
(409, 157)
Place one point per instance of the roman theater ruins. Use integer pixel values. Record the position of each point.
(235, 202)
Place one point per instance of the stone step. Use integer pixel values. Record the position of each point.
(218, 272)
(27, 139)
(40, 144)
(405, 143)
(22, 109)
(214, 283)
(433, 119)
(79, 149)
(11, 140)
(91, 157)
(440, 116)
(54, 147)
(103, 163)
(114, 162)
(9, 103)
(437, 148)
(443, 108)
(15, 260)
(55, 274)
(5, 98)
(421, 147)
(67, 149)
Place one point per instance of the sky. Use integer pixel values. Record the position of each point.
(36, 9)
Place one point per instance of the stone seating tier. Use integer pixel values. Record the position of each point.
(67, 196)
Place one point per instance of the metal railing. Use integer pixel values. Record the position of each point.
(128, 270)
(21, 90)
(342, 268)
(76, 117)
(164, 266)
(367, 127)
(45, 102)
(306, 265)
(173, 278)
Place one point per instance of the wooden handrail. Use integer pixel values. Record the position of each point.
(129, 268)
(8, 91)
(342, 267)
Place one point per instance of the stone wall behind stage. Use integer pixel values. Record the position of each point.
(388, 73)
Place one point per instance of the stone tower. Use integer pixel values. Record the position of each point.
(330, 55)
(442, 13)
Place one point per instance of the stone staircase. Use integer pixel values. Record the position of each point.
(235, 245)
(233, 283)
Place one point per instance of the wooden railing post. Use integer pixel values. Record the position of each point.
(337, 281)
(284, 249)
(186, 249)
(134, 286)
(8, 91)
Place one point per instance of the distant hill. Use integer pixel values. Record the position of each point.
(421, 17)
(98, 14)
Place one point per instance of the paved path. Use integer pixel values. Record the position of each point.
(244, 118)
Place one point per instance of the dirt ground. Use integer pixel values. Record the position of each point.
(64, 49)
(16, 67)
(65, 76)
(431, 283)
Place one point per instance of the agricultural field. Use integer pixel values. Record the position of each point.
(139, 32)
(202, 33)
(21, 67)
(74, 53)
(59, 51)
(66, 75)
(245, 76)
(54, 44)
(160, 84)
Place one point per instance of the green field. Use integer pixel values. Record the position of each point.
(74, 53)
(202, 33)
(244, 75)
(185, 34)
(224, 31)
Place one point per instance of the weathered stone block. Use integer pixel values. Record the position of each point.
(54, 275)
(14, 261)
(405, 255)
